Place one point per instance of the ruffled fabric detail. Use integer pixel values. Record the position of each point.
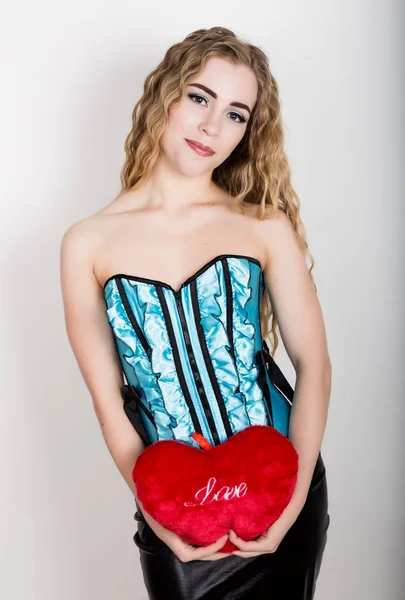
(242, 396)
(155, 376)
(246, 333)
(212, 306)
(156, 380)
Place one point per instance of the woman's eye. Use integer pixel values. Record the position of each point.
(242, 119)
(199, 97)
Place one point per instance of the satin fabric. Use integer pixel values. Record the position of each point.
(290, 573)
(156, 377)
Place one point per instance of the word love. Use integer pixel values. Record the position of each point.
(224, 493)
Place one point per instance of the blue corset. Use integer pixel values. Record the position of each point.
(193, 359)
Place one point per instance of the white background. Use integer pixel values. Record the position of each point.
(71, 74)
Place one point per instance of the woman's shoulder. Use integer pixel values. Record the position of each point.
(96, 225)
(87, 234)
(273, 218)
(85, 231)
(274, 228)
(80, 241)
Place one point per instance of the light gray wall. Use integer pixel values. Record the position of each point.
(71, 74)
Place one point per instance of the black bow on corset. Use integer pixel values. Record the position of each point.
(265, 359)
(131, 408)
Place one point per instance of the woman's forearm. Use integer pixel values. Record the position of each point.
(123, 442)
(308, 422)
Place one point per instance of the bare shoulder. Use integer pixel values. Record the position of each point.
(95, 225)
(86, 243)
(275, 230)
(88, 233)
(79, 249)
(276, 222)
(82, 236)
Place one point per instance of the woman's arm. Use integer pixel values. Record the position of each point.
(296, 306)
(92, 342)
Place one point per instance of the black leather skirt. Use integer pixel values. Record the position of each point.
(289, 573)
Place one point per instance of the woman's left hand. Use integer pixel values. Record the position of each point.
(270, 540)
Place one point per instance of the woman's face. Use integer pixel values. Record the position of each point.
(214, 111)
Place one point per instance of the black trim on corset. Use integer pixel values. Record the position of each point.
(194, 367)
(177, 361)
(208, 363)
(187, 281)
(132, 318)
(229, 317)
(229, 307)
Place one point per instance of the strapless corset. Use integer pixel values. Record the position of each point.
(193, 358)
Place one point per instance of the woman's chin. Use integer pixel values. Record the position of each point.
(193, 169)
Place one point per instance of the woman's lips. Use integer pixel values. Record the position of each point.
(199, 150)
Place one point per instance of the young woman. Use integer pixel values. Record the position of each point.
(175, 286)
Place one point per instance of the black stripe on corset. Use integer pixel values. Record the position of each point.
(229, 308)
(207, 359)
(132, 318)
(177, 361)
(196, 373)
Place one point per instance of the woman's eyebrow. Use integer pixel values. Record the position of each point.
(214, 95)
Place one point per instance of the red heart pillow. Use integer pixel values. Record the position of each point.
(243, 484)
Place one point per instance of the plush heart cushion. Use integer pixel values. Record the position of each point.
(243, 484)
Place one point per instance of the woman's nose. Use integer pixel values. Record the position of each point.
(210, 126)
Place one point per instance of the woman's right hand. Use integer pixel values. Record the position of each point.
(187, 552)
(183, 550)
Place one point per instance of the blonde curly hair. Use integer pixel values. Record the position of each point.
(256, 172)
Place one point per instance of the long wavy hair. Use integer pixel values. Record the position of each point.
(257, 171)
